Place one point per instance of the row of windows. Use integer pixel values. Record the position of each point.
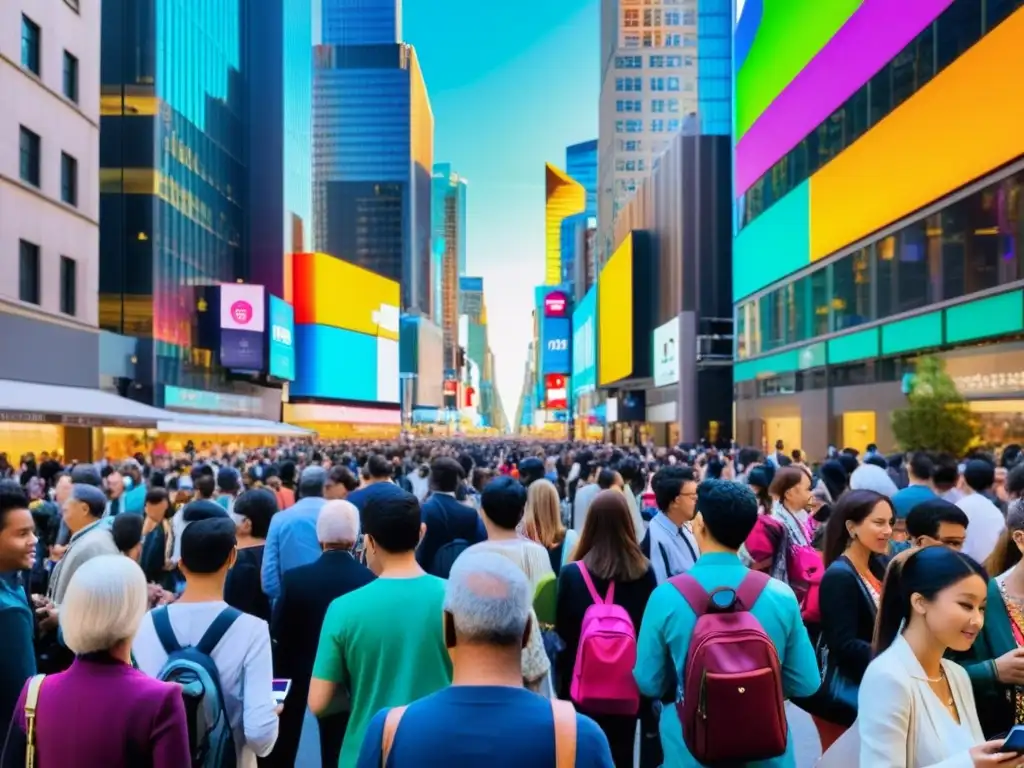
(658, 125)
(30, 278)
(659, 61)
(629, 105)
(32, 54)
(972, 245)
(959, 27)
(657, 105)
(629, 145)
(30, 166)
(656, 39)
(653, 17)
(854, 374)
(630, 165)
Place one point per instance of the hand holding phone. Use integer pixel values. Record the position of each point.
(1014, 740)
(280, 687)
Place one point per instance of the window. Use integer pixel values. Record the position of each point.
(673, 105)
(657, 83)
(689, 41)
(851, 290)
(30, 35)
(673, 40)
(657, 105)
(657, 126)
(640, 164)
(634, 126)
(687, 61)
(652, 17)
(913, 277)
(673, 83)
(68, 285)
(29, 144)
(68, 179)
(673, 61)
(28, 272)
(657, 62)
(673, 126)
(652, 39)
(631, 17)
(628, 62)
(70, 77)
(689, 18)
(672, 18)
(629, 165)
(631, 41)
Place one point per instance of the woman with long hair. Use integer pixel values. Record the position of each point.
(995, 662)
(917, 709)
(607, 567)
(542, 523)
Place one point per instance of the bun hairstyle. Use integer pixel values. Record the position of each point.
(926, 572)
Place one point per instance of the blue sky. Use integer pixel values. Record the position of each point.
(511, 85)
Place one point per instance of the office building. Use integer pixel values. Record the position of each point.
(649, 56)
(863, 241)
(448, 211)
(579, 268)
(563, 197)
(279, 209)
(581, 165)
(49, 197)
(360, 22)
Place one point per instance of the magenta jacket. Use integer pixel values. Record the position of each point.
(102, 712)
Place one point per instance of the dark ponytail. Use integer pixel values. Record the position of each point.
(927, 572)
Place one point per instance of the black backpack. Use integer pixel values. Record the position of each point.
(445, 557)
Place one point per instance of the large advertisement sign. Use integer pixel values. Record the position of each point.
(242, 325)
(281, 344)
(556, 354)
(337, 364)
(556, 304)
(584, 344)
(556, 392)
(666, 353)
(331, 292)
(615, 315)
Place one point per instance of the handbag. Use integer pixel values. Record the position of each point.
(31, 700)
(837, 697)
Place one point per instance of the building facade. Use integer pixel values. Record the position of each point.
(649, 55)
(373, 146)
(579, 269)
(857, 252)
(49, 192)
(448, 211)
(563, 197)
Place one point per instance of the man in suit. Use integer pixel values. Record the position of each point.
(446, 518)
(306, 593)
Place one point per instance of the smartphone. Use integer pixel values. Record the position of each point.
(281, 688)
(1014, 740)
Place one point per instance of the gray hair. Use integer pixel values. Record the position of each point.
(338, 523)
(489, 599)
(104, 604)
(91, 496)
(868, 477)
(312, 481)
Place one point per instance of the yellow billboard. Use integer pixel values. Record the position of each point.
(564, 197)
(615, 316)
(332, 292)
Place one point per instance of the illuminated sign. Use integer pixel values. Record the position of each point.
(584, 343)
(242, 325)
(331, 292)
(556, 392)
(615, 315)
(281, 346)
(666, 353)
(555, 348)
(555, 304)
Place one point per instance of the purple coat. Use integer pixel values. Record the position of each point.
(102, 712)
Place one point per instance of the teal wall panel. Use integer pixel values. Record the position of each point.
(912, 334)
(775, 244)
(981, 318)
(861, 345)
(784, 362)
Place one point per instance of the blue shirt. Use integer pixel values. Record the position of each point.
(907, 498)
(134, 501)
(291, 542)
(473, 726)
(665, 639)
(18, 660)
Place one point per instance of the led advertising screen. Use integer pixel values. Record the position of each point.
(584, 343)
(331, 292)
(388, 380)
(615, 315)
(242, 326)
(666, 353)
(335, 364)
(556, 392)
(556, 356)
(281, 339)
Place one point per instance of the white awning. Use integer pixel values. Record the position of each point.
(175, 423)
(23, 401)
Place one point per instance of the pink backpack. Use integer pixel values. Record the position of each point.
(602, 678)
(732, 675)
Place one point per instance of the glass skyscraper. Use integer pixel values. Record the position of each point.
(373, 146)
(360, 22)
(714, 67)
(581, 165)
(448, 211)
(578, 269)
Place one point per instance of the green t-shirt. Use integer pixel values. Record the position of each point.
(384, 643)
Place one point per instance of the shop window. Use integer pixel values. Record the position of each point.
(820, 301)
(913, 276)
(851, 290)
(816, 378)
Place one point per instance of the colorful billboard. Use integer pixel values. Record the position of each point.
(281, 346)
(584, 344)
(556, 304)
(615, 315)
(331, 292)
(242, 326)
(338, 364)
(556, 392)
(556, 354)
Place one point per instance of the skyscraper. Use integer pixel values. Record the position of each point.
(449, 231)
(581, 165)
(649, 58)
(563, 197)
(373, 146)
(578, 268)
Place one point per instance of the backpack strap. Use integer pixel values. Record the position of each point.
(216, 631)
(693, 593)
(164, 631)
(750, 589)
(598, 600)
(387, 741)
(564, 714)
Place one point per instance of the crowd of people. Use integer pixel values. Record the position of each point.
(461, 603)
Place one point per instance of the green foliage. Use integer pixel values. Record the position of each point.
(937, 417)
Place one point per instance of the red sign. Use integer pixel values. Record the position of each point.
(555, 304)
(451, 387)
(470, 397)
(555, 392)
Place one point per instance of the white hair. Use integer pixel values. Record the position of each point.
(338, 523)
(868, 477)
(489, 599)
(104, 604)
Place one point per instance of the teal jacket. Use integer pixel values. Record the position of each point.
(665, 638)
(994, 700)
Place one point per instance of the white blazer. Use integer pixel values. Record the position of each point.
(903, 724)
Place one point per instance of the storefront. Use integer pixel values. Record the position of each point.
(992, 379)
(346, 422)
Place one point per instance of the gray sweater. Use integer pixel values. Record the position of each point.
(93, 540)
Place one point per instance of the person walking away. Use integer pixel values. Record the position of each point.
(608, 570)
(669, 543)
(252, 513)
(382, 645)
(240, 643)
(306, 594)
(378, 472)
(451, 526)
(726, 514)
(291, 538)
(542, 523)
(485, 717)
(986, 521)
(102, 711)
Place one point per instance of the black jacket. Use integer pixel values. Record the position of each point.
(848, 616)
(447, 520)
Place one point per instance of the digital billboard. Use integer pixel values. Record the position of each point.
(666, 353)
(556, 304)
(556, 392)
(584, 343)
(556, 355)
(615, 315)
(331, 292)
(281, 344)
(242, 325)
(338, 364)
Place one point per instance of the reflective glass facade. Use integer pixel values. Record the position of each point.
(448, 212)
(372, 158)
(172, 179)
(581, 165)
(714, 67)
(360, 22)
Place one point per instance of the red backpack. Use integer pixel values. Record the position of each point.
(732, 675)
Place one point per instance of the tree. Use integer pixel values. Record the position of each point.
(937, 417)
